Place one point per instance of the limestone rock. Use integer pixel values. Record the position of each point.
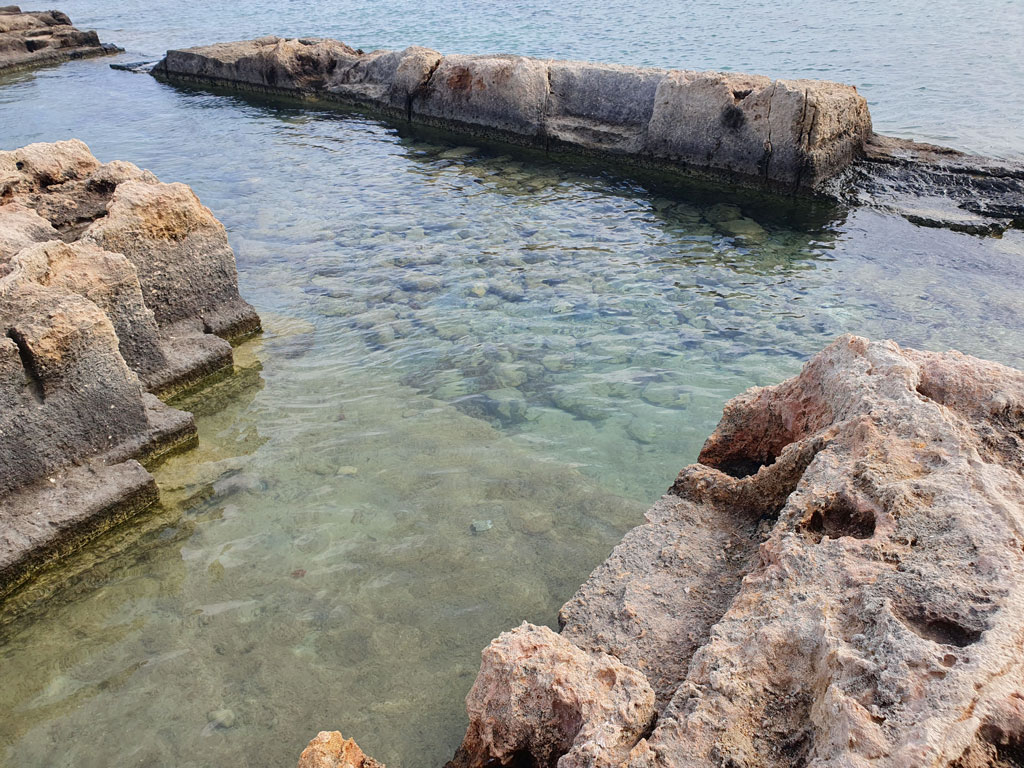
(43, 37)
(500, 93)
(788, 132)
(20, 226)
(838, 582)
(178, 254)
(601, 105)
(329, 749)
(111, 282)
(541, 699)
(269, 62)
(181, 252)
(787, 135)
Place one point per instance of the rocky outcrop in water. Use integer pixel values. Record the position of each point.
(43, 37)
(791, 136)
(838, 582)
(784, 134)
(114, 288)
(332, 750)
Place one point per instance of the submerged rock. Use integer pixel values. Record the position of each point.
(113, 288)
(29, 39)
(838, 582)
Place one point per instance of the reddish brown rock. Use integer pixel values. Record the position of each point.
(329, 749)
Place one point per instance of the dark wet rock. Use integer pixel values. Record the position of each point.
(136, 67)
(113, 287)
(29, 39)
(837, 582)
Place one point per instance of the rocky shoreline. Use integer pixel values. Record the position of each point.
(115, 290)
(837, 582)
(803, 137)
(34, 38)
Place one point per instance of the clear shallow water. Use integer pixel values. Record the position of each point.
(454, 334)
(934, 70)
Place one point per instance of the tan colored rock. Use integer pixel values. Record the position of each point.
(270, 62)
(35, 167)
(329, 749)
(43, 37)
(541, 699)
(839, 582)
(110, 281)
(20, 227)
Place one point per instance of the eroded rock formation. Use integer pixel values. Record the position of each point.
(803, 136)
(838, 582)
(43, 37)
(114, 288)
(332, 750)
(786, 134)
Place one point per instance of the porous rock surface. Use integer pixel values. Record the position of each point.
(784, 134)
(838, 582)
(43, 37)
(790, 136)
(332, 750)
(114, 288)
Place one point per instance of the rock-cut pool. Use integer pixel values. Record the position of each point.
(479, 368)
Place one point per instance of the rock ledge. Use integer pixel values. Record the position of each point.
(35, 38)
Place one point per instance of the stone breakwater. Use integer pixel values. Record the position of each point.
(29, 39)
(839, 581)
(789, 136)
(786, 134)
(114, 288)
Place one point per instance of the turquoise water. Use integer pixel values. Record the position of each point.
(456, 334)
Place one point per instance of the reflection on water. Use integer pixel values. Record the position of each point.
(480, 367)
